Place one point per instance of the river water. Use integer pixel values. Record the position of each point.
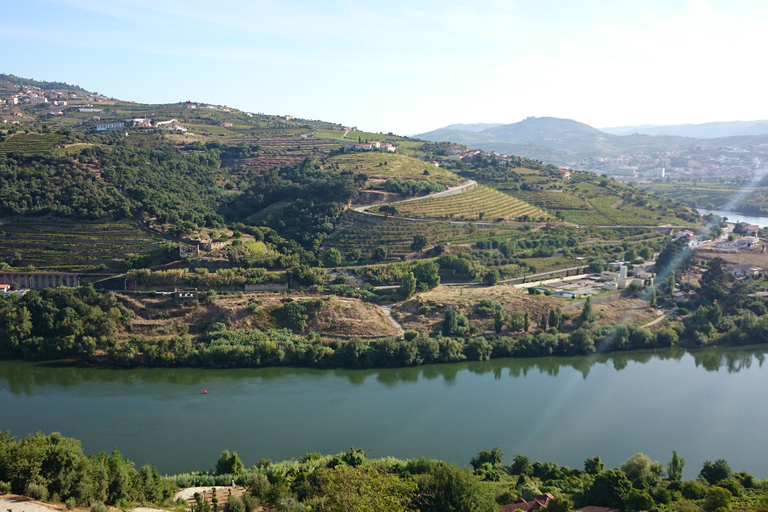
(706, 405)
(737, 217)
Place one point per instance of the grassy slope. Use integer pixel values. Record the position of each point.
(397, 166)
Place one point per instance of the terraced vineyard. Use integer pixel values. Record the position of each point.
(32, 143)
(367, 232)
(278, 151)
(551, 199)
(67, 245)
(476, 204)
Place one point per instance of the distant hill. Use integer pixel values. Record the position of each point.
(551, 139)
(699, 131)
(11, 80)
(474, 127)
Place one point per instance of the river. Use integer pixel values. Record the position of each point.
(737, 217)
(706, 405)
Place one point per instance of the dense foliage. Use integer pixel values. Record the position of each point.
(54, 468)
(61, 322)
(42, 185)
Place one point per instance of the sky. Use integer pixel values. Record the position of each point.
(407, 66)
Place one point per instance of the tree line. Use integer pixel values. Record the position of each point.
(54, 468)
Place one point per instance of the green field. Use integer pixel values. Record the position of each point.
(69, 245)
(475, 204)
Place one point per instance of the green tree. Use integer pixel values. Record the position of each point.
(491, 278)
(556, 318)
(526, 322)
(365, 489)
(521, 465)
(407, 285)
(638, 500)
(387, 210)
(229, 464)
(714, 472)
(453, 489)
(332, 258)
(588, 314)
(560, 504)
(593, 466)
(450, 322)
(675, 467)
(718, 499)
(515, 321)
(427, 272)
(419, 243)
(234, 504)
(380, 253)
(498, 320)
(609, 489)
(493, 457)
(641, 466)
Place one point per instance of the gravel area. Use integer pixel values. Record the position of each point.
(23, 505)
(187, 493)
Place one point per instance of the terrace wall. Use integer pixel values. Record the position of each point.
(41, 280)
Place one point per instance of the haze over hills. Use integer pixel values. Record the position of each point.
(552, 140)
(565, 141)
(700, 131)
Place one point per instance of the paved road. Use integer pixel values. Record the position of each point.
(445, 193)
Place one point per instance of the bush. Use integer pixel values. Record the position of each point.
(410, 335)
(37, 492)
(98, 506)
(234, 504)
(71, 503)
(5, 487)
(693, 491)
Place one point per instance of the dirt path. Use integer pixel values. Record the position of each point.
(666, 315)
(387, 308)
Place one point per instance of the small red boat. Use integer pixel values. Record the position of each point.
(205, 391)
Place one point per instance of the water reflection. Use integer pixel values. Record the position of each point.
(21, 378)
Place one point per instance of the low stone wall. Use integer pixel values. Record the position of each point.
(41, 280)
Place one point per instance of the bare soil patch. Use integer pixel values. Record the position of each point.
(160, 316)
(411, 313)
(754, 256)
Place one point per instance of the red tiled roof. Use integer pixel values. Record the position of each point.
(540, 501)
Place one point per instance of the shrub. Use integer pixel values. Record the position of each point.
(410, 335)
(71, 503)
(5, 487)
(37, 492)
(98, 506)
(693, 491)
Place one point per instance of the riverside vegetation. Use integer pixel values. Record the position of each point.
(83, 323)
(55, 469)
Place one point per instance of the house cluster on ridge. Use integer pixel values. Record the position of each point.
(369, 146)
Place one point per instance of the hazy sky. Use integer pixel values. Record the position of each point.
(407, 66)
